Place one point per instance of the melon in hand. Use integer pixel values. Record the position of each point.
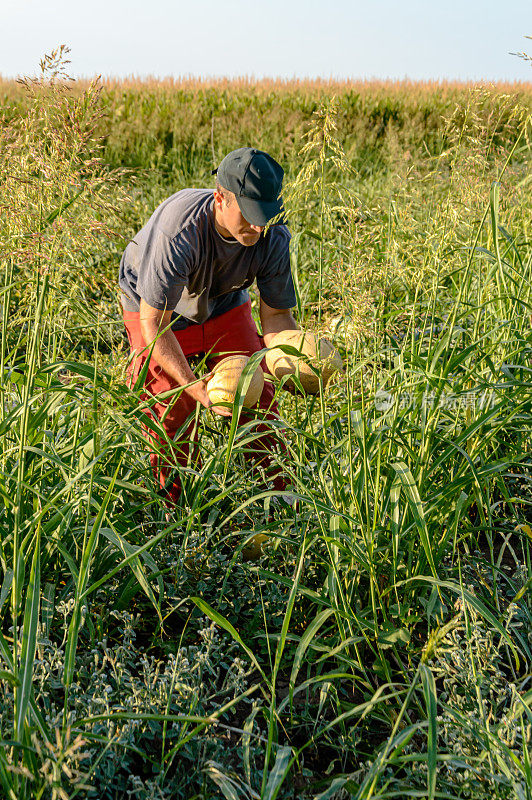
(315, 351)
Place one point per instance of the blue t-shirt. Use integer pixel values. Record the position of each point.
(179, 261)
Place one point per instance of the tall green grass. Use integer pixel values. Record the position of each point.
(380, 647)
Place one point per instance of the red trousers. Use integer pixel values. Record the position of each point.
(232, 332)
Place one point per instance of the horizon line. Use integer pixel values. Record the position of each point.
(250, 79)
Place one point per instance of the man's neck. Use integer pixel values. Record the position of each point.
(224, 233)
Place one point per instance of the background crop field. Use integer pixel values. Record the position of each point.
(381, 645)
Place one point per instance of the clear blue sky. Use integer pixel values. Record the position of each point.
(418, 39)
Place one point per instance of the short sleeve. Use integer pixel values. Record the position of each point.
(274, 278)
(165, 269)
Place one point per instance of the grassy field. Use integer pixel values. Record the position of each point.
(381, 646)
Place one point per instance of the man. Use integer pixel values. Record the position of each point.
(186, 273)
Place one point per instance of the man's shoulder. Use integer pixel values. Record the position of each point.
(187, 208)
(280, 230)
(278, 238)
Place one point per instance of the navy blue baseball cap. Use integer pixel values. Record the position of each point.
(255, 178)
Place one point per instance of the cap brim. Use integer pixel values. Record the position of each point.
(259, 212)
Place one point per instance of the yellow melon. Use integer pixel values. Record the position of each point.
(252, 551)
(223, 384)
(315, 351)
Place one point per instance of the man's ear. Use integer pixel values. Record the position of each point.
(218, 199)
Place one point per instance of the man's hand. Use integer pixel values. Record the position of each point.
(202, 397)
(274, 320)
(167, 352)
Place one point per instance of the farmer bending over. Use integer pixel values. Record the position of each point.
(191, 264)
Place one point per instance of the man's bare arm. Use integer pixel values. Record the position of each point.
(274, 320)
(168, 354)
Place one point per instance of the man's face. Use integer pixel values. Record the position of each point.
(230, 222)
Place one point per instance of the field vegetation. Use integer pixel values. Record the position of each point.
(381, 645)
